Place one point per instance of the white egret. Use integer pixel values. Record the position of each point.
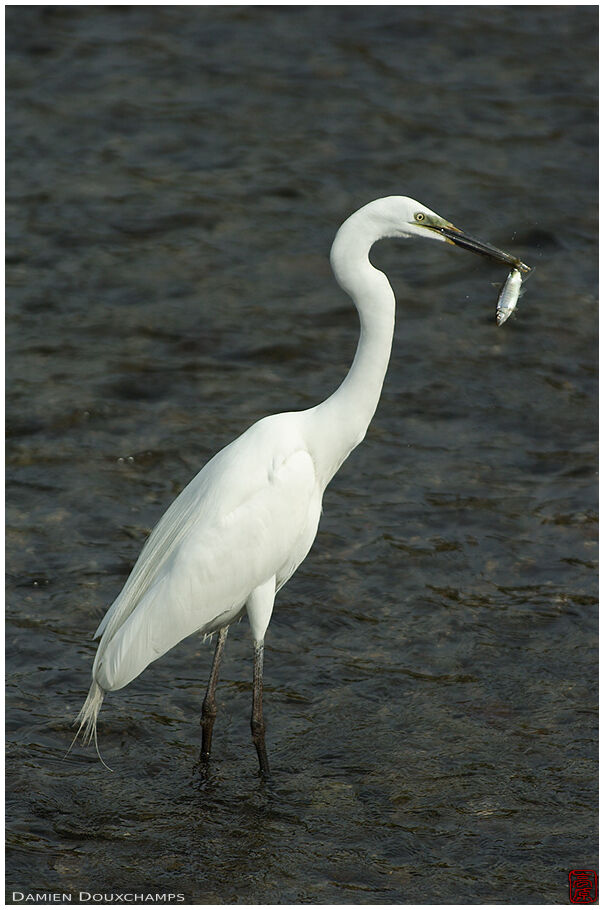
(240, 529)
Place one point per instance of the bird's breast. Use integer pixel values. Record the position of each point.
(303, 541)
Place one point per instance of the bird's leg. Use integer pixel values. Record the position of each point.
(208, 709)
(258, 727)
(259, 608)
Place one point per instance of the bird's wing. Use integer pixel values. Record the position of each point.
(231, 477)
(166, 534)
(211, 571)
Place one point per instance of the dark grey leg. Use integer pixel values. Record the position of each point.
(258, 727)
(208, 710)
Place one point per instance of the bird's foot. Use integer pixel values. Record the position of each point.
(203, 773)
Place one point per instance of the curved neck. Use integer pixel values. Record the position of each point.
(342, 420)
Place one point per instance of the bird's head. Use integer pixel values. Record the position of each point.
(400, 216)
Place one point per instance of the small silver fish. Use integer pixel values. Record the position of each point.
(509, 296)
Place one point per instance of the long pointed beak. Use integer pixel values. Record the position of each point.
(454, 235)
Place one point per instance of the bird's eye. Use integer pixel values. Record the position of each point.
(420, 216)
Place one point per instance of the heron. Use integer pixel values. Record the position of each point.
(237, 533)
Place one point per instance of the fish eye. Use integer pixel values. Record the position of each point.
(420, 216)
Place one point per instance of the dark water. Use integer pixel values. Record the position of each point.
(175, 178)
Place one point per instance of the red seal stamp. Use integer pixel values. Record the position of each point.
(583, 886)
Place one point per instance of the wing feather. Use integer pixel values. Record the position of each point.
(235, 525)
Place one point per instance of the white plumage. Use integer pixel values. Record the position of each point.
(250, 515)
(243, 525)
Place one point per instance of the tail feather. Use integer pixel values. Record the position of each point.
(87, 719)
(89, 712)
